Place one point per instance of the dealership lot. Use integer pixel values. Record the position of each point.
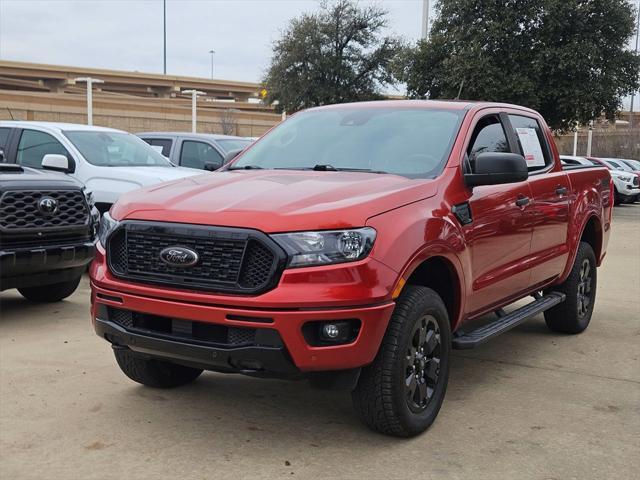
(529, 404)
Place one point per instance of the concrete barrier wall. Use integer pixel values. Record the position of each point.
(135, 114)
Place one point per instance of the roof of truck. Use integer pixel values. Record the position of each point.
(427, 104)
(58, 126)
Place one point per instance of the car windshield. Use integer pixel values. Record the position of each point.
(618, 165)
(115, 149)
(412, 142)
(233, 144)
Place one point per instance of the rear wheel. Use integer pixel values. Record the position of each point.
(401, 392)
(574, 314)
(50, 293)
(154, 373)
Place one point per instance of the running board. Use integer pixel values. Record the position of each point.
(472, 339)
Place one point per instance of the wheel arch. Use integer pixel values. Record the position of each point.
(440, 273)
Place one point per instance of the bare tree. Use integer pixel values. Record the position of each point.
(228, 122)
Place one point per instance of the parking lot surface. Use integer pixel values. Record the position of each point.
(529, 404)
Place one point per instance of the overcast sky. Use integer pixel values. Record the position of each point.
(127, 34)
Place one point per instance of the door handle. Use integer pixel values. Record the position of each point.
(561, 191)
(522, 201)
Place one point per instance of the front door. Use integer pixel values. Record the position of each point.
(499, 237)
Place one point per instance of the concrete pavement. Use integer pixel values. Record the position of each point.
(530, 404)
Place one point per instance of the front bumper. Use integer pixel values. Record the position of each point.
(288, 324)
(26, 267)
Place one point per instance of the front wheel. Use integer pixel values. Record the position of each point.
(154, 373)
(574, 314)
(401, 392)
(50, 293)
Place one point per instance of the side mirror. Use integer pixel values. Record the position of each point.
(211, 166)
(56, 162)
(231, 155)
(493, 168)
(1, 155)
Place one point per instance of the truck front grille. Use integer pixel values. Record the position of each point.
(229, 260)
(19, 210)
(635, 181)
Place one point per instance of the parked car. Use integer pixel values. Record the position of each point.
(47, 230)
(195, 150)
(354, 245)
(109, 162)
(634, 164)
(626, 181)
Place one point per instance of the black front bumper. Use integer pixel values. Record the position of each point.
(260, 361)
(29, 267)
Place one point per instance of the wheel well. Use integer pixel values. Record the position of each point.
(439, 275)
(592, 234)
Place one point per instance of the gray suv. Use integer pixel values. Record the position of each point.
(202, 151)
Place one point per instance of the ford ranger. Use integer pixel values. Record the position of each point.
(355, 245)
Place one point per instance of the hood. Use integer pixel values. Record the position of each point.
(151, 175)
(24, 177)
(274, 201)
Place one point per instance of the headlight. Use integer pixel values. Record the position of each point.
(322, 248)
(88, 195)
(107, 225)
(625, 179)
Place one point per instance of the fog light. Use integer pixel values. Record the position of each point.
(330, 330)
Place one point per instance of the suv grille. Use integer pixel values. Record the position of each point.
(230, 260)
(19, 210)
(635, 180)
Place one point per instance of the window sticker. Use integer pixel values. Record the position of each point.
(531, 147)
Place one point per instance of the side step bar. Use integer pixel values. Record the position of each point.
(503, 323)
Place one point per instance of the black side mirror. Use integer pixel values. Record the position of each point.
(211, 166)
(231, 155)
(494, 168)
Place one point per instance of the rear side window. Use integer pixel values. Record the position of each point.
(34, 145)
(197, 154)
(531, 141)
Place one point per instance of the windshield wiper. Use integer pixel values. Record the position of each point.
(331, 168)
(246, 167)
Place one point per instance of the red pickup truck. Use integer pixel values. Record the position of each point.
(354, 245)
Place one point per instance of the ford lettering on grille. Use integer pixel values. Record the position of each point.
(179, 256)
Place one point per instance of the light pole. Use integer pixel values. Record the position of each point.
(212, 52)
(90, 81)
(194, 95)
(164, 35)
(590, 138)
(633, 95)
(425, 19)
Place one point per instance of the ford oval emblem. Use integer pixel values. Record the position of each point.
(179, 256)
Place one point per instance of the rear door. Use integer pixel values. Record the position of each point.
(499, 234)
(551, 190)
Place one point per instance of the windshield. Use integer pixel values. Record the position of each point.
(115, 149)
(413, 142)
(233, 144)
(618, 165)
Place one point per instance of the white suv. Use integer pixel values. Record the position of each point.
(109, 162)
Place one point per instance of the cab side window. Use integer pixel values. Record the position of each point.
(532, 143)
(488, 136)
(4, 136)
(198, 154)
(34, 145)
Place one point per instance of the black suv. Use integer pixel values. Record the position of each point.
(47, 230)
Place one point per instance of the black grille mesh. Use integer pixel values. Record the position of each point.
(235, 263)
(19, 209)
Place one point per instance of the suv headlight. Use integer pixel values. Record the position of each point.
(88, 195)
(625, 179)
(107, 225)
(326, 247)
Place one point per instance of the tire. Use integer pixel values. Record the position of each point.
(154, 373)
(574, 314)
(50, 293)
(381, 398)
